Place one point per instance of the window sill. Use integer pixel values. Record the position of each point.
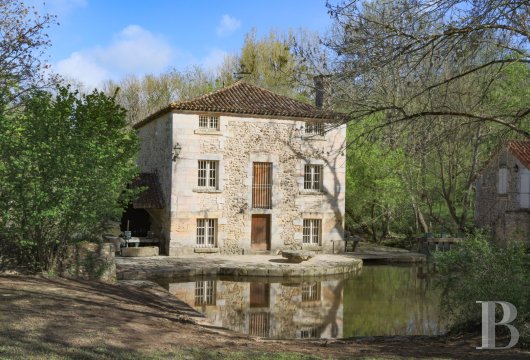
(311, 303)
(314, 137)
(206, 190)
(206, 250)
(311, 247)
(311, 192)
(207, 132)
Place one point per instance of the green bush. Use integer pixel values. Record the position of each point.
(480, 270)
(65, 162)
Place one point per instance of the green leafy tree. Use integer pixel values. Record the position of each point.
(376, 198)
(445, 84)
(65, 162)
(481, 270)
(276, 62)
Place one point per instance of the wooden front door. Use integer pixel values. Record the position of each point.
(261, 232)
(259, 295)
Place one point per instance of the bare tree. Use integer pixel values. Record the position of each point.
(23, 40)
(408, 59)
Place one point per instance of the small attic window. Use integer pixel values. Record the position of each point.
(208, 122)
(314, 128)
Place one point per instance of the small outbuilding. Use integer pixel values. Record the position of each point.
(503, 193)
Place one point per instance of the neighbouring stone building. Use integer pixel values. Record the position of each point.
(242, 170)
(503, 193)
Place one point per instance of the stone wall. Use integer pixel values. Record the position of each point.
(155, 157)
(497, 213)
(239, 142)
(89, 261)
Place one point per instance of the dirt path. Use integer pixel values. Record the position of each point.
(46, 318)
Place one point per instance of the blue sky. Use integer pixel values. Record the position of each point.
(101, 39)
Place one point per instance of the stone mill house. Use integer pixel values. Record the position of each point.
(241, 170)
(503, 193)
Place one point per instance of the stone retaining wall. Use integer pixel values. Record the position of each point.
(183, 268)
(90, 261)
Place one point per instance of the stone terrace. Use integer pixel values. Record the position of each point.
(152, 268)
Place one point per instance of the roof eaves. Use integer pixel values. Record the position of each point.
(153, 116)
(521, 150)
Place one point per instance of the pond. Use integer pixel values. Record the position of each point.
(379, 300)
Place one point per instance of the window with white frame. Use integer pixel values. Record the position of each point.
(205, 292)
(314, 128)
(209, 122)
(312, 230)
(313, 177)
(311, 292)
(206, 232)
(208, 174)
(502, 186)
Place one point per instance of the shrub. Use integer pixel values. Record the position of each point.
(65, 162)
(480, 270)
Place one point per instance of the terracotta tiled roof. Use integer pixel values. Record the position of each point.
(245, 98)
(151, 198)
(521, 150)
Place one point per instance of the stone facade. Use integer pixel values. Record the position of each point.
(502, 211)
(155, 157)
(239, 141)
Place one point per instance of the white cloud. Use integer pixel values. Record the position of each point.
(227, 25)
(133, 50)
(82, 68)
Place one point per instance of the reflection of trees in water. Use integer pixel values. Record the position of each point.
(285, 309)
(331, 315)
(234, 311)
(391, 300)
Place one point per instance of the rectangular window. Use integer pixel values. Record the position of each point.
(524, 188)
(310, 333)
(206, 232)
(313, 177)
(208, 174)
(502, 186)
(311, 292)
(262, 185)
(205, 293)
(312, 231)
(259, 324)
(314, 128)
(209, 122)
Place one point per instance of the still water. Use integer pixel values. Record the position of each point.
(380, 300)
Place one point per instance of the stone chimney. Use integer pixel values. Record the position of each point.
(322, 88)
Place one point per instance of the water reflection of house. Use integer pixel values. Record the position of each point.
(276, 310)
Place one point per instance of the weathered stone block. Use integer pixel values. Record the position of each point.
(140, 251)
(295, 256)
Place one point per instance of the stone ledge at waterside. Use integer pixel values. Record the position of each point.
(170, 267)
